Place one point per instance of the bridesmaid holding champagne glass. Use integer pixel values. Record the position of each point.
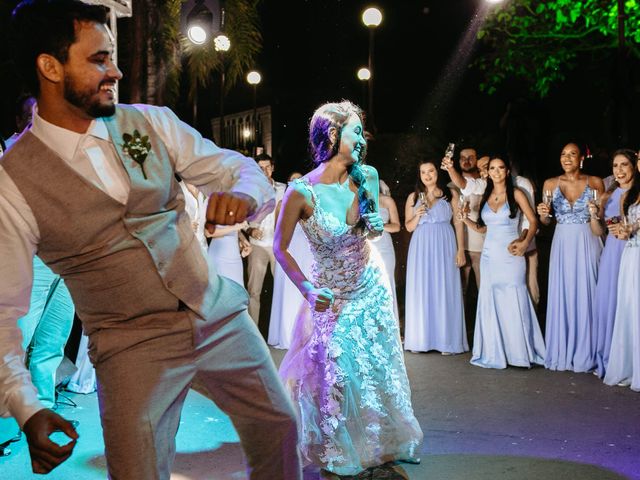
(573, 264)
(623, 368)
(625, 176)
(434, 312)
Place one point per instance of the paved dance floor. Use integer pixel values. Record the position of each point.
(479, 424)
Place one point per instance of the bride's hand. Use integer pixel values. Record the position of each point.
(320, 299)
(374, 223)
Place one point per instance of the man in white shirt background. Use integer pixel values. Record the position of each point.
(261, 238)
(473, 241)
(91, 187)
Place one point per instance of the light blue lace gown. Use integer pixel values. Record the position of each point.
(573, 272)
(507, 330)
(345, 369)
(624, 357)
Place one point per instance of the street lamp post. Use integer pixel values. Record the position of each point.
(364, 75)
(254, 78)
(371, 17)
(222, 44)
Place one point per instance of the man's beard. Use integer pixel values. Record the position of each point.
(84, 101)
(470, 170)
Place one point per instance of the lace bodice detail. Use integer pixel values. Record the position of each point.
(576, 213)
(340, 252)
(440, 212)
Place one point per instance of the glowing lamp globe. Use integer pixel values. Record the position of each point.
(372, 17)
(364, 74)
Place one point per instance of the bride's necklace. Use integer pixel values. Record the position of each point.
(498, 196)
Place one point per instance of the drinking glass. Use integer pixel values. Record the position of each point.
(448, 155)
(450, 150)
(423, 200)
(595, 198)
(547, 198)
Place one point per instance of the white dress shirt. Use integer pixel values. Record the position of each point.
(93, 156)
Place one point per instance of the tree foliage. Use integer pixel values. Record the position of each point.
(157, 62)
(540, 41)
(241, 25)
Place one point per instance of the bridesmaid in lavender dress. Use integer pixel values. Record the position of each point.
(434, 312)
(573, 264)
(287, 299)
(507, 330)
(624, 359)
(384, 243)
(607, 286)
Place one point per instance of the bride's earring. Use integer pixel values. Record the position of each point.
(581, 164)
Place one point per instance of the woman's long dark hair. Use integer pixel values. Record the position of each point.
(323, 148)
(633, 194)
(630, 155)
(441, 182)
(511, 198)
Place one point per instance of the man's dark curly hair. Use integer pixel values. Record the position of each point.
(47, 26)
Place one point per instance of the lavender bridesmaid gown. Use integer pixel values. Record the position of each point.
(507, 330)
(573, 272)
(434, 312)
(624, 359)
(607, 288)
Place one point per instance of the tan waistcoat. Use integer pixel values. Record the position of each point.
(123, 264)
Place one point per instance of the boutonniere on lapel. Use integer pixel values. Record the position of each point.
(137, 147)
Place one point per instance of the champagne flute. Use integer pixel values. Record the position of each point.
(422, 196)
(547, 198)
(624, 223)
(448, 155)
(595, 198)
(463, 206)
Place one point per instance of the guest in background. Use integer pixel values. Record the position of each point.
(573, 264)
(506, 327)
(261, 238)
(24, 113)
(531, 255)
(623, 368)
(625, 176)
(226, 251)
(434, 308)
(384, 243)
(287, 299)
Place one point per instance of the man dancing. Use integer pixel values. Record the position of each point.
(91, 188)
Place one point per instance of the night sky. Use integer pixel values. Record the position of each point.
(313, 48)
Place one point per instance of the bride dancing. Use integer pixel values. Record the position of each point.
(345, 369)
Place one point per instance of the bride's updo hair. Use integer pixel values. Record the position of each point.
(323, 148)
